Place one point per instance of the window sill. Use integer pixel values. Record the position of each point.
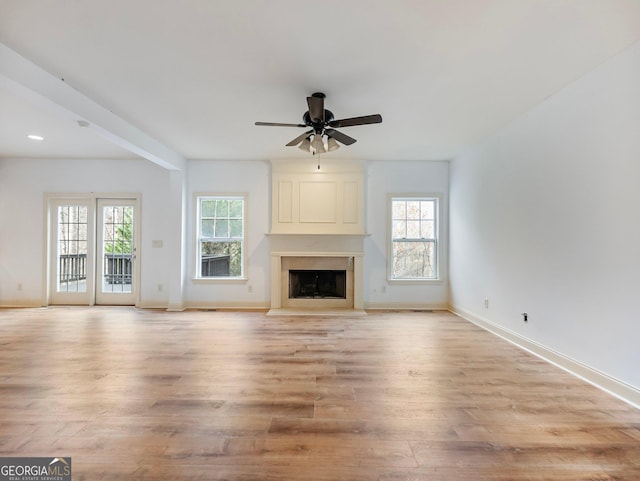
(408, 282)
(219, 280)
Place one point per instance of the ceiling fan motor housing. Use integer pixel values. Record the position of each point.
(318, 126)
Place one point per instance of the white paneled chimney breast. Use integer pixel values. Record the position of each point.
(317, 224)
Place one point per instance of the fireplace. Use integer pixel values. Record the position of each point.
(317, 237)
(316, 281)
(317, 284)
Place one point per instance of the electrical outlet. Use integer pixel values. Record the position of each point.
(20, 286)
(525, 317)
(160, 287)
(250, 288)
(486, 303)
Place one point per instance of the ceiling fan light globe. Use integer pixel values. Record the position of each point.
(305, 145)
(332, 144)
(317, 144)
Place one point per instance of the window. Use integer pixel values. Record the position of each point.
(220, 237)
(414, 238)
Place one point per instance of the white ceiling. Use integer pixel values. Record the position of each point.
(196, 74)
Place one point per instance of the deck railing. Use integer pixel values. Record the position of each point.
(73, 267)
(118, 268)
(215, 265)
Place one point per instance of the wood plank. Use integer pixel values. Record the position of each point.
(394, 396)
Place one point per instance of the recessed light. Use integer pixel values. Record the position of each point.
(35, 137)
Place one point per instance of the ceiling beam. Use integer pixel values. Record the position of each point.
(27, 80)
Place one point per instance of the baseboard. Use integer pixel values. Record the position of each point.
(239, 306)
(21, 304)
(610, 385)
(151, 305)
(317, 312)
(173, 307)
(406, 306)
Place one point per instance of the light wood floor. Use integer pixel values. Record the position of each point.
(150, 395)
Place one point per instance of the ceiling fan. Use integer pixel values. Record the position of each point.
(323, 136)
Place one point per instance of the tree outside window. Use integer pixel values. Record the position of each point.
(414, 238)
(220, 236)
(118, 230)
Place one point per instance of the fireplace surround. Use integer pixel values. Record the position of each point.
(317, 224)
(283, 262)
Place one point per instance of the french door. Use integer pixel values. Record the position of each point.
(93, 244)
(116, 251)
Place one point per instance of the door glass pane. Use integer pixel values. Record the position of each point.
(72, 249)
(117, 248)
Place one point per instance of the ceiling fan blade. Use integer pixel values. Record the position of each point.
(340, 137)
(299, 139)
(367, 119)
(316, 108)
(276, 124)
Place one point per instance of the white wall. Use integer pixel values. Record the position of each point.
(23, 183)
(395, 177)
(544, 219)
(232, 177)
(382, 178)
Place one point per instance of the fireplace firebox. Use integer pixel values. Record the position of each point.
(317, 284)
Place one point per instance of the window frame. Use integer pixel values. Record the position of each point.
(198, 238)
(437, 199)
